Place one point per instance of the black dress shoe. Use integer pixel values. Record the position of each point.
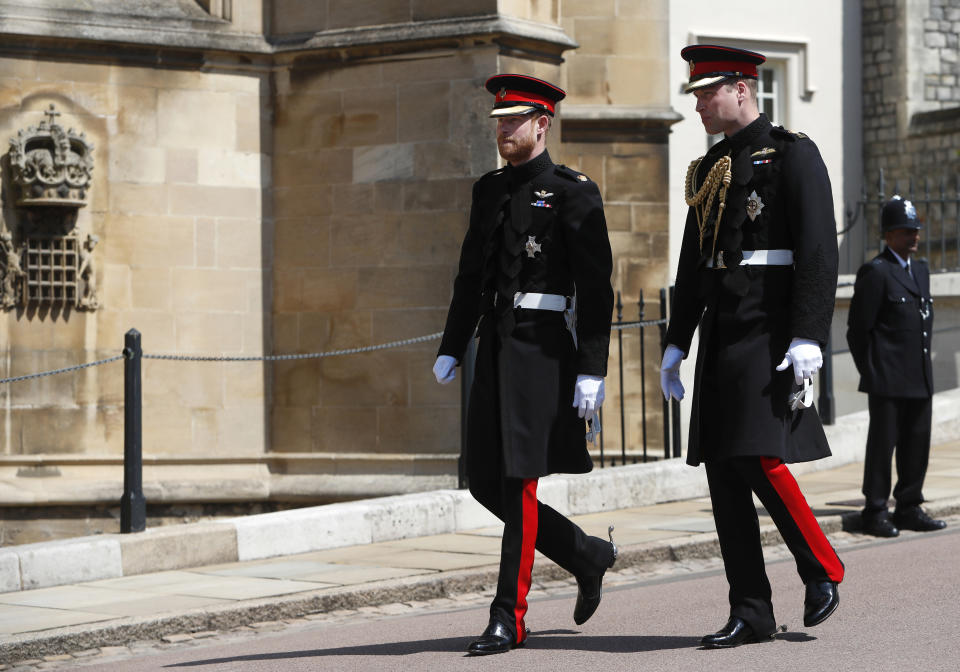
(822, 599)
(736, 632)
(590, 589)
(879, 525)
(915, 518)
(495, 639)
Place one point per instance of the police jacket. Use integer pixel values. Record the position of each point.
(889, 328)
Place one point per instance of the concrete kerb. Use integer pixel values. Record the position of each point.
(389, 518)
(83, 559)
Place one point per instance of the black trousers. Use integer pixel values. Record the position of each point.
(903, 424)
(528, 523)
(732, 484)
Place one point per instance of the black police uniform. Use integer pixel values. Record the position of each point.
(889, 329)
(537, 227)
(741, 425)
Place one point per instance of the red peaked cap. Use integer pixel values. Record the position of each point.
(710, 64)
(520, 94)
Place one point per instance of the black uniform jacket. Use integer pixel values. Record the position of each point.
(889, 328)
(749, 314)
(522, 396)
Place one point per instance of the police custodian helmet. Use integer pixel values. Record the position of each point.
(898, 213)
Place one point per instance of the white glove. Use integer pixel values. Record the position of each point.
(588, 395)
(445, 369)
(806, 358)
(670, 373)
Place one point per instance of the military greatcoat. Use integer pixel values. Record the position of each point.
(538, 227)
(779, 198)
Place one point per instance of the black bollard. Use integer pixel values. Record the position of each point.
(133, 506)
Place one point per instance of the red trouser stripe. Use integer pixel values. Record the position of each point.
(527, 545)
(786, 486)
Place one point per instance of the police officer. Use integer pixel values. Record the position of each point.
(535, 270)
(757, 271)
(889, 327)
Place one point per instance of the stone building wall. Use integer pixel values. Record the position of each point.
(941, 35)
(374, 164)
(615, 127)
(911, 108)
(910, 87)
(177, 205)
(300, 190)
(882, 51)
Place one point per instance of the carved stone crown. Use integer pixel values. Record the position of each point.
(51, 167)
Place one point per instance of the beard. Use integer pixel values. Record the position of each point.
(516, 149)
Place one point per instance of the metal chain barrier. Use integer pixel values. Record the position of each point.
(309, 355)
(63, 370)
(275, 358)
(640, 324)
(267, 358)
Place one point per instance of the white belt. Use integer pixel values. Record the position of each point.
(556, 302)
(763, 258)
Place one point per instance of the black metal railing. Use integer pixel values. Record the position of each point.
(620, 325)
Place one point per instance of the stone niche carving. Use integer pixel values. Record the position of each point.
(50, 262)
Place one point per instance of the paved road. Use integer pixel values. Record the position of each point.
(900, 610)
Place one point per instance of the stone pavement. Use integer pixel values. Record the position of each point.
(50, 627)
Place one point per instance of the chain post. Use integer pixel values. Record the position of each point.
(643, 379)
(133, 506)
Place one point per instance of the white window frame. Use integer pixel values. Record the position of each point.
(778, 70)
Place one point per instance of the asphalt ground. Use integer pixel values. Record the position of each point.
(898, 610)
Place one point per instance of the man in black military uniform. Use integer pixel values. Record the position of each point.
(757, 271)
(535, 271)
(889, 327)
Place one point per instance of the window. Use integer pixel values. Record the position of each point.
(51, 270)
(770, 88)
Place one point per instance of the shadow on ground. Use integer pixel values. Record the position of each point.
(547, 640)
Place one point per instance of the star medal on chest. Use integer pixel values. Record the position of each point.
(754, 205)
(532, 246)
(541, 201)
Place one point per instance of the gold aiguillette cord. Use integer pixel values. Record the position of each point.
(716, 182)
